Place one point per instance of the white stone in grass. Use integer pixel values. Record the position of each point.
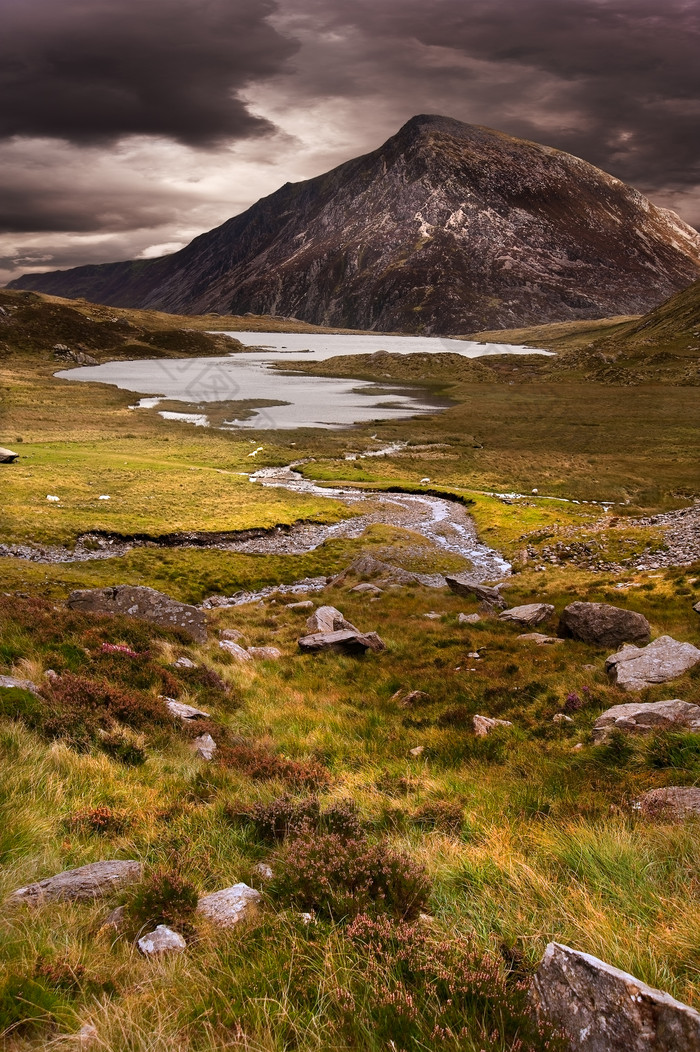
(483, 725)
(230, 905)
(162, 940)
(235, 650)
(182, 711)
(52, 499)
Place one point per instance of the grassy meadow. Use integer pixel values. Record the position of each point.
(434, 881)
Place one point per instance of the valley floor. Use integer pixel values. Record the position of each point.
(435, 865)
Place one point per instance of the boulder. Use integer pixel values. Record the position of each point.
(607, 626)
(229, 906)
(12, 683)
(143, 603)
(204, 746)
(634, 668)
(468, 619)
(604, 1009)
(7, 456)
(234, 634)
(328, 619)
(346, 642)
(162, 940)
(674, 801)
(182, 711)
(539, 638)
(87, 882)
(462, 584)
(529, 615)
(483, 725)
(265, 653)
(644, 717)
(235, 650)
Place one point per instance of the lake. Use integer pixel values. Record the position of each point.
(246, 390)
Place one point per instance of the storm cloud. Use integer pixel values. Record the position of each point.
(129, 125)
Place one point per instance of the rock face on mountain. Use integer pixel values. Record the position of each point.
(447, 228)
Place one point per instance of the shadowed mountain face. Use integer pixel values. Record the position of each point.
(446, 228)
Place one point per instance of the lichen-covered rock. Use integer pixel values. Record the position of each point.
(204, 746)
(328, 619)
(639, 717)
(161, 941)
(235, 650)
(468, 619)
(604, 1009)
(673, 801)
(483, 725)
(86, 882)
(634, 668)
(12, 683)
(345, 642)
(539, 638)
(146, 604)
(602, 624)
(230, 905)
(464, 585)
(184, 712)
(265, 653)
(529, 615)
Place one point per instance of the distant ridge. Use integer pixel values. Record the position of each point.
(446, 228)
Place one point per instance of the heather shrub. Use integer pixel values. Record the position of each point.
(77, 708)
(340, 877)
(123, 746)
(261, 764)
(163, 897)
(97, 820)
(422, 991)
(286, 817)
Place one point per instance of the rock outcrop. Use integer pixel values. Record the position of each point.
(146, 604)
(634, 668)
(604, 1009)
(607, 626)
(447, 227)
(644, 717)
(93, 881)
(464, 585)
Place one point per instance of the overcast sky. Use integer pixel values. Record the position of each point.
(129, 126)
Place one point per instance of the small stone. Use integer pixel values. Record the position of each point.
(264, 871)
(432, 616)
(162, 940)
(418, 751)
(305, 604)
(7, 456)
(115, 919)
(233, 634)
(474, 655)
(415, 697)
(462, 584)
(265, 653)
(182, 711)
(539, 638)
(468, 619)
(204, 747)
(367, 588)
(86, 1036)
(483, 725)
(230, 905)
(342, 641)
(236, 651)
(577, 747)
(184, 662)
(561, 717)
(11, 683)
(308, 918)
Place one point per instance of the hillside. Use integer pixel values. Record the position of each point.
(446, 228)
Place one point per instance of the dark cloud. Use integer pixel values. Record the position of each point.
(97, 71)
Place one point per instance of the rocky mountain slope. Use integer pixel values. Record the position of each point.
(446, 228)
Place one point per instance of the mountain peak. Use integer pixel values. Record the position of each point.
(448, 227)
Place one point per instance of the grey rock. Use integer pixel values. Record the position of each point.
(696, 608)
(462, 584)
(432, 615)
(539, 638)
(561, 717)
(634, 668)
(483, 725)
(264, 871)
(341, 642)
(529, 615)
(305, 604)
(605, 625)
(468, 619)
(230, 906)
(162, 940)
(235, 650)
(65, 354)
(12, 683)
(7, 456)
(146, 604)
(86, 882)
(366, 588)
(185, 662)
(674, 801)
(234, 634)
(604, 1009)
(415, 697)
(184, 712)
(417, 751)
(265, 653)
(328, 619)
(204, 746)
(644, 717)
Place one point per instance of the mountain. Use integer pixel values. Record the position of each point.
(446, 228)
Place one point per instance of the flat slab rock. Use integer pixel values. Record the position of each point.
(7, 456)
(86, 882)
(328, 619)
(11, 683)
(229, 906)
(604, 1009)
(605, 625)
(344, 642)
(145, 604)
(639, 717)
(634, 668)
(462, 584)
(182, 711)
(539, 638)
(674, 801)
(529, 615)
